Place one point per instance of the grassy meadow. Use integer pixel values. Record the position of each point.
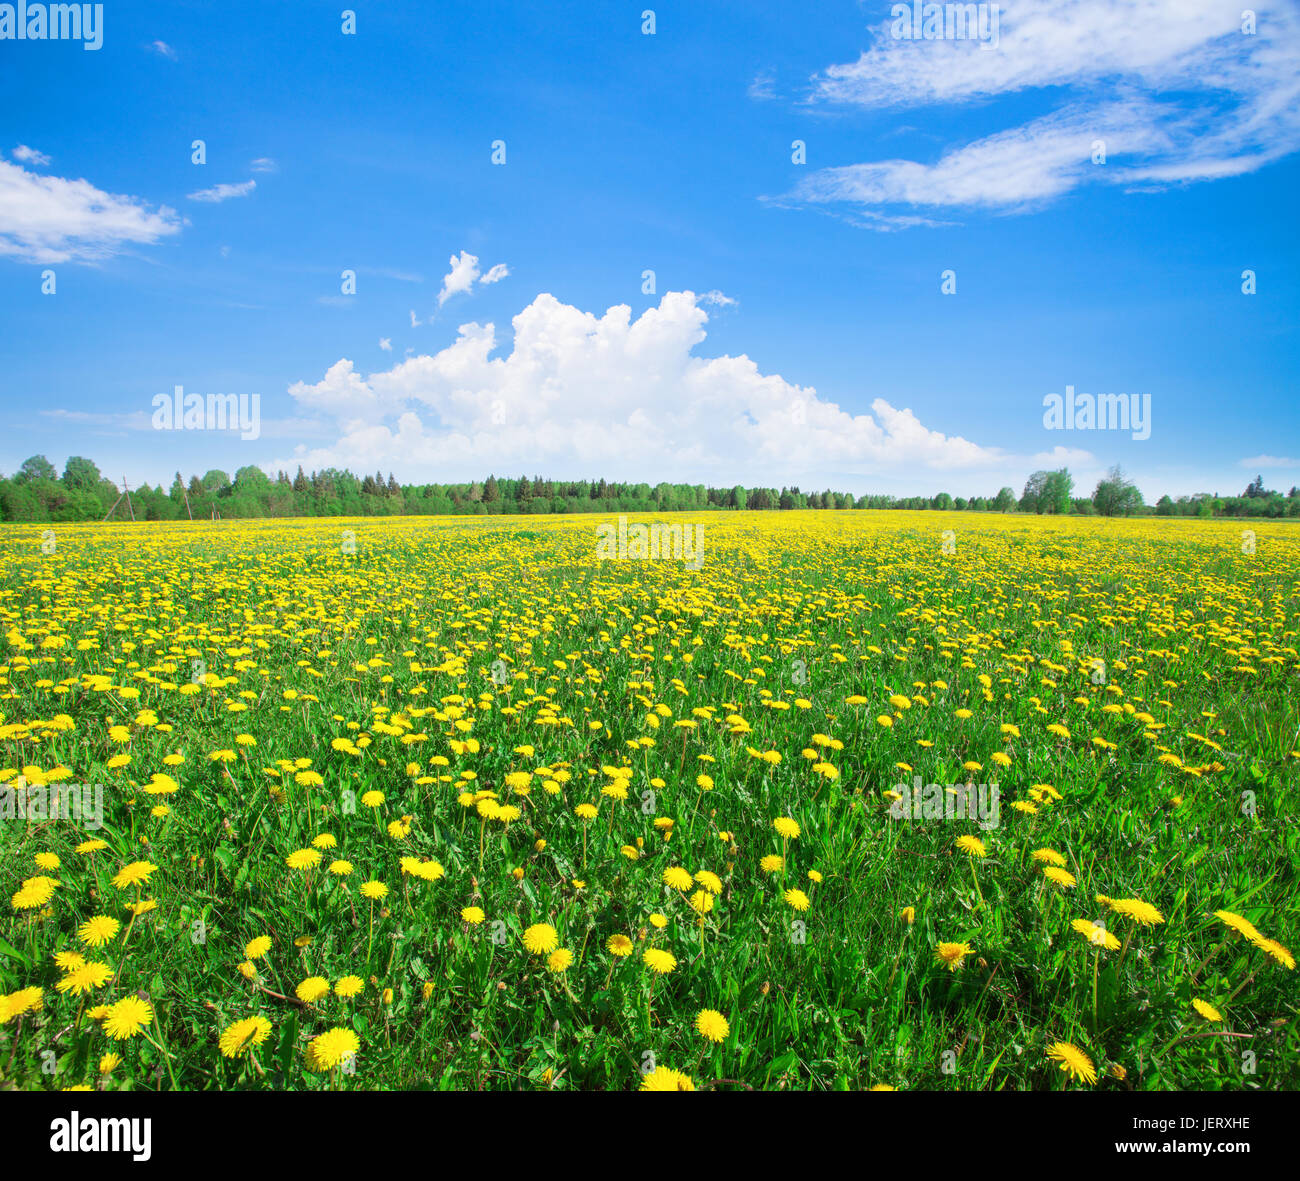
(450, 803)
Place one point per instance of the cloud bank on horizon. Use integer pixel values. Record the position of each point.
(578, 393)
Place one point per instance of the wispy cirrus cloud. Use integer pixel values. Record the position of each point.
(140, 421)
(1172, 91)
(1009, 171)
(763, 86)
(219, 193)
(1259, 462)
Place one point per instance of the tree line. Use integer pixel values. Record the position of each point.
(38, 493)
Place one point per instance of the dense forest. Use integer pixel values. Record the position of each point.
(38, 493)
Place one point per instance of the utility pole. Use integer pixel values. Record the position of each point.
(118, 501)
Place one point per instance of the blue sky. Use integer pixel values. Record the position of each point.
(797, 332)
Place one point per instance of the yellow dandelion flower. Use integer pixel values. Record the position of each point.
(952, 955)
(1073, 1060)
(658, 960)
(712, 1025)
(541, 939)
(244, 1035)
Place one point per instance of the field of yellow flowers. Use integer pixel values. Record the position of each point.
(451, 803)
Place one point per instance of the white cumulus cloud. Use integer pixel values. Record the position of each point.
(465, 273)
(581, 394)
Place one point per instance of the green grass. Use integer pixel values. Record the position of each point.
(814, 609)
